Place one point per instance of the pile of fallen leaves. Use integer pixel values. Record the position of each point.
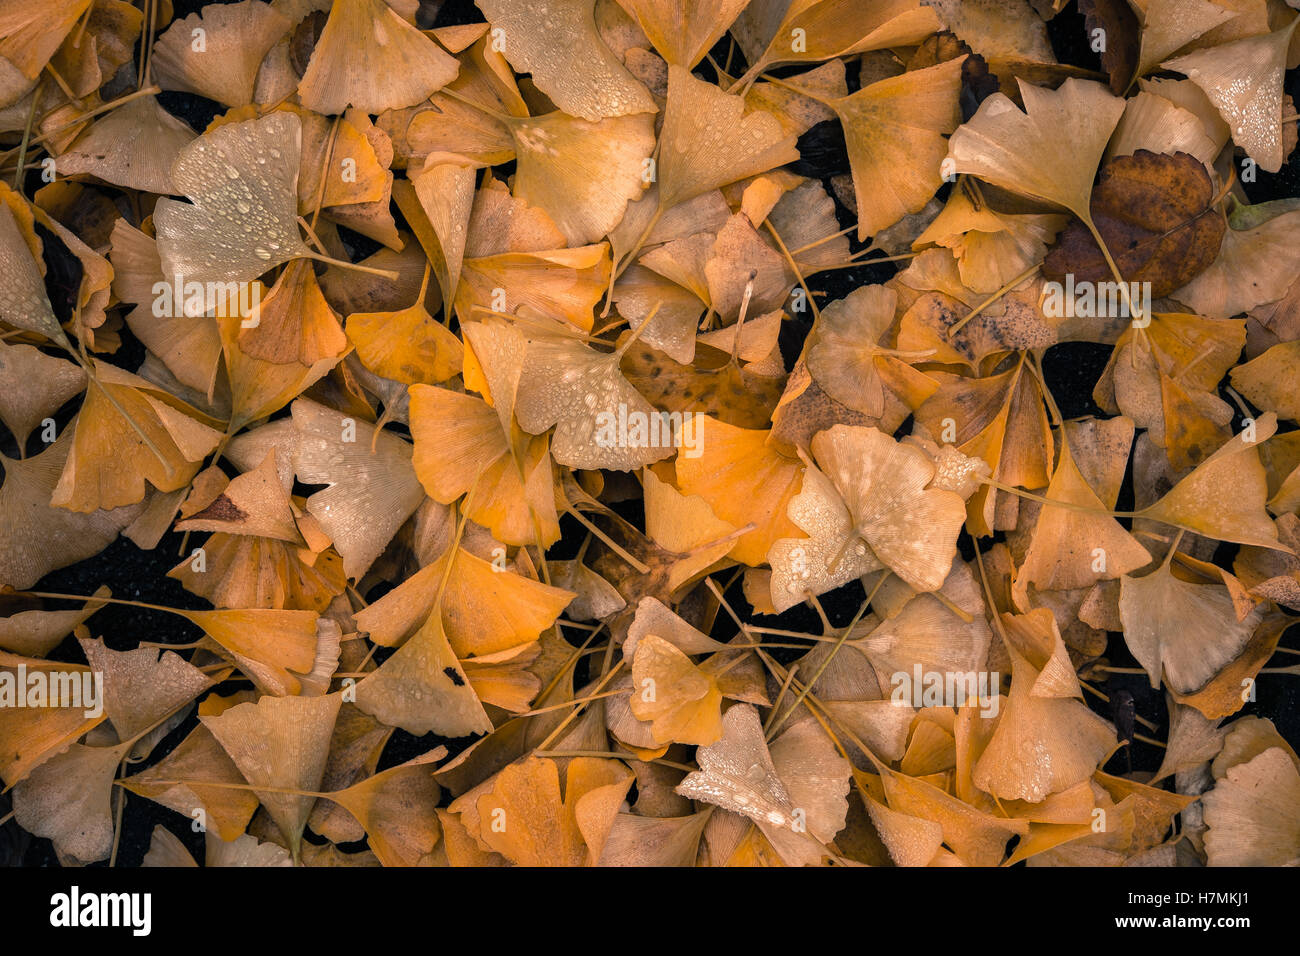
(482, 373)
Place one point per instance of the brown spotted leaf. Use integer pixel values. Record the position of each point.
(1154, 212)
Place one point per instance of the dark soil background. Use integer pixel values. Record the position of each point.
(1071, 371)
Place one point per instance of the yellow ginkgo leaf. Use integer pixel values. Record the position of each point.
(563, 284)
(1050, 151)
(708, 140)
(683, 30)
(815, 30)
(216, 53)
(244, 220)
(372, 488)
(1063, 552)
(558, 43)
(832, 554)
(1064, 727)
(911, 528)
(293, 323)
(369, 57)
(423, 689)
(682, 703)
(1224, 497)
(1182, 633)
(133, 146)
(600, 420)
(408, 346)
(895, 131)
(744, 481)
(1268, 380)
(582, 173)
(526, 819)
(280, 743)
(97, 473)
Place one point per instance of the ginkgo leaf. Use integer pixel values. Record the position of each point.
(744, 481)
(558, 43)
(34, 633)
(682, 703)
(1000, 420)
(259, 388)
(563, 284)
(67, 799)
(280, 743)
(1182, 633)
(459, 446)
(1166, 377)
(216, 53)
(653, 841)
(24, 303)
(527, 820)
(1224, 496)
(1050, 151)
(582, 173)
(1169, 25)
(33, 386)
(846, 356)
(1077, 739)
(584, 395)
(910, 528)
(407, 346)
(895, 131)
(1157, 124)
(683, 32)
(739, 773)
(1254, 264)
(997, 29)
(245, 571)
(253, 503)
(109, 461)
(484, 610)
(372, 486)
(178, 782)
(1063, 552)
(141, 687)
(1244, 80)
(369, 57)
(684, 525)
(276, 648)
(190, 349)
(243, 181)
(1252, 813)
(41, 536)
(384, 803)
(1265, 380)
(30, 35)
(446, 194)
(831, 554)
(293, 323)
(134, 146)
(822, 29)
(33, 734)
(708, 140)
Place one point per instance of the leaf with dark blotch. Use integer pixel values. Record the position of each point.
(1156, 215)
